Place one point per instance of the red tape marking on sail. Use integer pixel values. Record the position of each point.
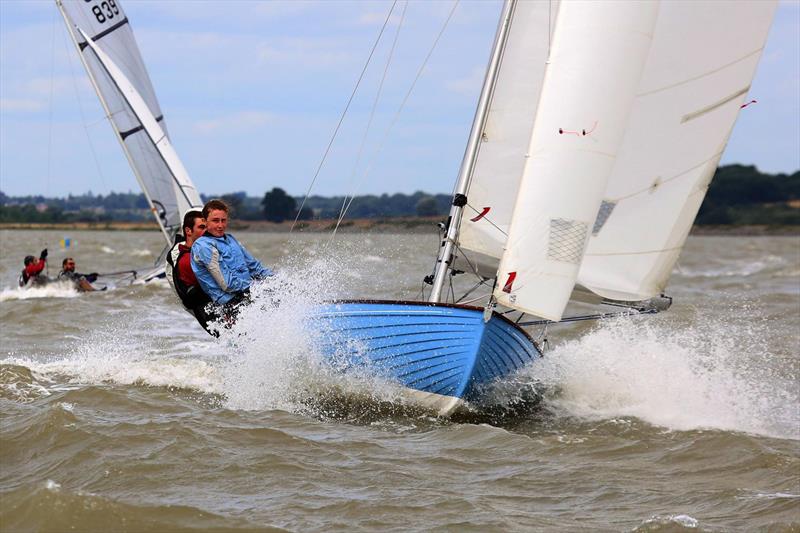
(511, 277)
(481, 215)
(748, 103)
(583, 132)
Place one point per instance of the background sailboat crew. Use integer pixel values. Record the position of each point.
(180, 274)
(32, 273)
(83, 282)
(224, 268)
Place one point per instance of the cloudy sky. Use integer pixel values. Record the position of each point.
(252, 91)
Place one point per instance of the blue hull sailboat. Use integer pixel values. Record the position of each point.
(597, 131)
(443, 353)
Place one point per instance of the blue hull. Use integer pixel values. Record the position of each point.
(443, 353)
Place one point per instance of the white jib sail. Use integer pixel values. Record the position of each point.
(702, 61)
(507, 133)
(106, 25)
(597, 56)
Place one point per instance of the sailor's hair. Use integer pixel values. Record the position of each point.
(189, 219)
(214, 205)
(28, 260)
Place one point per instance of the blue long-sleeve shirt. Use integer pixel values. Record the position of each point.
(224, 267)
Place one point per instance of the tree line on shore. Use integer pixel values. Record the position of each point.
(738, 195)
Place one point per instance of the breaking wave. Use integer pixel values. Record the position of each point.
(706, 374)
(51, 290)
(738, 268)
(274, 361)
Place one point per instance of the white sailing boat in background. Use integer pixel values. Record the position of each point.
(598, 130)
(105, 42)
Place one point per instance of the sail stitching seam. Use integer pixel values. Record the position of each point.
(703, 75)
(667, 180)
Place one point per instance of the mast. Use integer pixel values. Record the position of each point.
(445, 260)
(167, 236)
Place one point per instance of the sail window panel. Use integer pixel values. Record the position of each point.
(606, 208)
(566, 240)
(507, 132)
(666, 162)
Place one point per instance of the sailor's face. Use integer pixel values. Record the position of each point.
(69, 266)
(199, 227)
(217, 222)
(194, 233)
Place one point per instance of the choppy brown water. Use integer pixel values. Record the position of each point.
(119, 413)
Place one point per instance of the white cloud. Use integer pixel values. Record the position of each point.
(304, 52)
(236, 122)
(377, 18)
(18, 105)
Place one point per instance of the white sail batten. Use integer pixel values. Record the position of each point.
(597, 56)
(702, 61)
(185, 193)
(106, 26)
(507, 131)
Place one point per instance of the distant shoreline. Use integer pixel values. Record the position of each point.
(376, 225)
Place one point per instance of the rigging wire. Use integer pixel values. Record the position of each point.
(403, 103)
(50, 121)
(369, 123)
(344, 112)
(82, 113)
(50, 106)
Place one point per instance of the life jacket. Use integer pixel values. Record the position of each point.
(31, 271)
(191, 296)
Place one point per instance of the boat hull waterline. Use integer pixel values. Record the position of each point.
(443, 354)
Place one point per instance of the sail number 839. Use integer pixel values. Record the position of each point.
(106, 10)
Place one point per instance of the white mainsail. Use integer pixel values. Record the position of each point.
(702, 61)
(620, 139)
(109, 52)
(507, 133)
(598, 53)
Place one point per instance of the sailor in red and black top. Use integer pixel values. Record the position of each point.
(32, 273)
(180, 275)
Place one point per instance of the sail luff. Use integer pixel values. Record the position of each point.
(70, 25)
(506, 135)
(444, 262)
(597, 57)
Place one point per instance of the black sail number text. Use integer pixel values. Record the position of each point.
(105, 10)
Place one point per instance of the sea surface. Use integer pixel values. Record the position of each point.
(119, 413)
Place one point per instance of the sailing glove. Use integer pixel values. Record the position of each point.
(43, 255)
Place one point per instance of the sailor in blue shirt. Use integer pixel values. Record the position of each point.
(224, 268)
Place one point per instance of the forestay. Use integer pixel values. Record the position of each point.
(507, 132)
(702, 61)
(141, 130)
